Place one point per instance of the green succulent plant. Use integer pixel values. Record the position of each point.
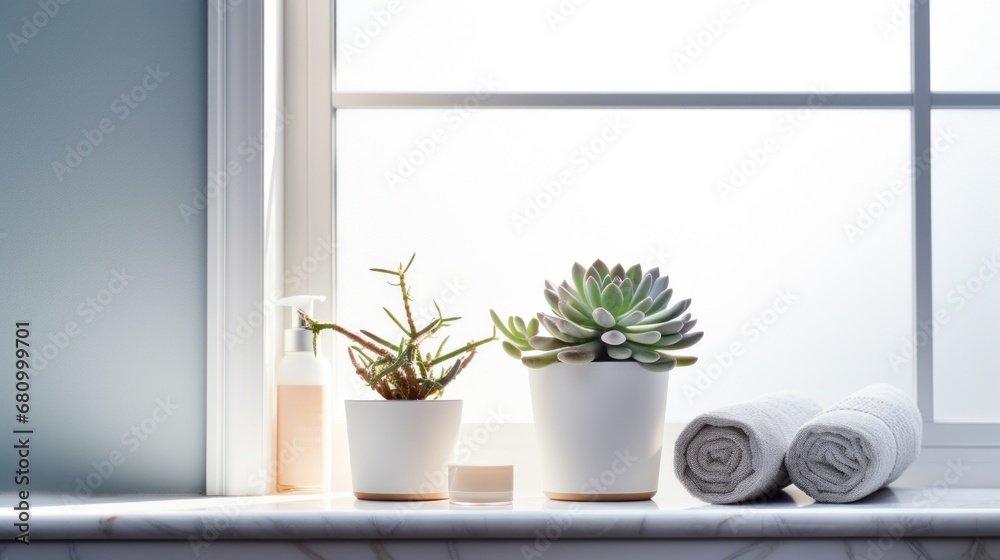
(402, 371)
(606, 314)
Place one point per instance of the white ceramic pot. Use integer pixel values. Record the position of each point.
(400, 450)
(600, 430)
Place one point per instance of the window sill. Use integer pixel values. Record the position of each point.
(898, 513)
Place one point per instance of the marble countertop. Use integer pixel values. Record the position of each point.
(901, 512)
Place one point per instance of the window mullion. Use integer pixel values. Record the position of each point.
(577, 100)
(922, 239)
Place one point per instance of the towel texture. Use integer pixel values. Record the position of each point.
(856, 446)
(737, 453)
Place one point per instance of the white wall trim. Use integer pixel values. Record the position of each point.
(216, 216)
(244, 243)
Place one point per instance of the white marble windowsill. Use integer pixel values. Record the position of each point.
(902, 512)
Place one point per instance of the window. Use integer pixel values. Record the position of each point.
(966, 262)
(771, 157)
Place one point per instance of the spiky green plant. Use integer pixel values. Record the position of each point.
(607, 314)
(402, 371)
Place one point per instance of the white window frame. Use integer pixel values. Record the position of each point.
(309, 199)
(244, 243)
(978, 442)
(268, 60)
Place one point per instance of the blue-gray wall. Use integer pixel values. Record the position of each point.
(102, 247)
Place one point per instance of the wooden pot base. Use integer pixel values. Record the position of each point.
(626, 497)
(401, 497)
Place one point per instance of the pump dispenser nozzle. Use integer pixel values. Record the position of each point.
(299, 337)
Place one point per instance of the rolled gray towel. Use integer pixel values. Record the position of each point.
(737, 453)
(857, 446)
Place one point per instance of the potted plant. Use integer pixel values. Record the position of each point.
(400, 445)
(598, 379)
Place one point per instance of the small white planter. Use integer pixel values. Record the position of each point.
(400, 450)
(600, 430)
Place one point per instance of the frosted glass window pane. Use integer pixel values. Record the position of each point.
(965, 48)
(966, 265)
(625, 45)
(798, 261)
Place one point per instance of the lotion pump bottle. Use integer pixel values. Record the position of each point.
(303, 416)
